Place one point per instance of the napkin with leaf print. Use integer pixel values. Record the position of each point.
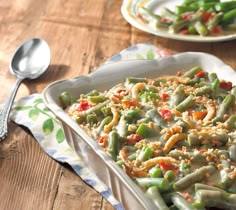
(32, 113)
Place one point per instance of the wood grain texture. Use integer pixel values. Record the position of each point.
(82, 35)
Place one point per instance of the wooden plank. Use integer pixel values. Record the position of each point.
(73, 194)
(29, 178)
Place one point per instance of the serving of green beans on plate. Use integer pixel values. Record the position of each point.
(174, 136)
(194, 17)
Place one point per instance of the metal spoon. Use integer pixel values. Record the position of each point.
(29, 61)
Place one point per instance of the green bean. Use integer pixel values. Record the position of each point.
(201, 28)
(179, 10)
(170, 175)
(106, 111)
(200, 186)
(189, 2)
(132, 157)
(213, 22)
(231, 122)
(178, 154)
(195, 80)
(195, 158)
(195, 139)
(113, 144)
(205, 90)
(199, 205)
(224, 173)
(232, 152)
(161, 183)
(204, 83)
(145, 131)
(225, 6)
(185, 104)
(192, 30)
(215, 84)
(132, 114)
(104, 122)
(97, 98)
(183, 125)
(66, 99)
(145, 153)
(184, 168)
(205, 6)
(135, 80)
(147, 96)
(151, 17)
(155, 172)
(191, 72)
(92, 93)
(154, 194)
(181, 203)
(169, 14)
(212, 77)
(229, 16)
(96, 109)
(122, 127)
(178, 96)
(120, 163)
(92, 119)
(156, 118)
(217, 198)
(194, 177)
(233, 91)
(179, 25)
(224, 108)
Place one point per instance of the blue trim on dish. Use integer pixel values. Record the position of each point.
(118, 206)
(39, 137)
(51, 152)
(91, 182)
(77, 168)
(132, 48)
(116, 57)
(62, 159)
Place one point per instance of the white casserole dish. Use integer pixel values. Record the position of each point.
(105, 77)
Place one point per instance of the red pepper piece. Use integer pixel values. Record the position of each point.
(187, 16)
(83, 105)
(184, 31)
(206, 16)
(167, 166)
(102, 139)
(165, 113)
(178, 73)
(216, 30)
(200, 74)
(133, 139)
(164, 96)
(226, 85)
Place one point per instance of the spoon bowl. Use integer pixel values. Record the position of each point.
(29, 61)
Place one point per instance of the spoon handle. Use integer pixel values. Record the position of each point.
(6, 108)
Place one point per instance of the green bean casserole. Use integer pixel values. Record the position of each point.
(173, 135)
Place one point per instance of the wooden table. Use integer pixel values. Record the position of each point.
(82, 35)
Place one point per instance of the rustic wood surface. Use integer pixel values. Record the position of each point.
(82, 35)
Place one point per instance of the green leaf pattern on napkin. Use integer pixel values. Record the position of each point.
(47, 125)
(150, 54)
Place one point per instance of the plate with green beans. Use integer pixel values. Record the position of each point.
(187, 20)
(160, 133)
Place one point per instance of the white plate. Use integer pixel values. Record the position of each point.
(129, 10)
(122, 187)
